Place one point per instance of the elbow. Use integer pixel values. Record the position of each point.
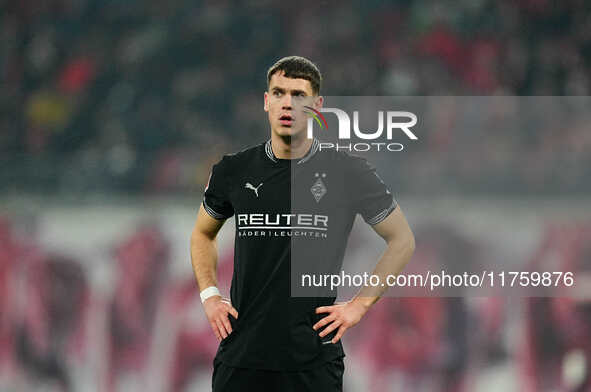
(198, 236)
(407, 246)
(403, 244)
(411, 244)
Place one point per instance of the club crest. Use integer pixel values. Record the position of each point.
(318, 189)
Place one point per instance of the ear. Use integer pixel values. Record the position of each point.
(318, 101)
(266, 105)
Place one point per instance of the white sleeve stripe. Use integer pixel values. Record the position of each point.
(213, 213)
(382, 215)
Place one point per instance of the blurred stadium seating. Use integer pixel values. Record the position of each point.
(142, 96)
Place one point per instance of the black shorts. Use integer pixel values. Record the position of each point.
(325, 378)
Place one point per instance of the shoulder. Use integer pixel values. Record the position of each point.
(347, 161)
(237, 160)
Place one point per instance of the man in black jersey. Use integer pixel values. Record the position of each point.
(269, 339)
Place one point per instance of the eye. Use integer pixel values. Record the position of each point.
(276, 93)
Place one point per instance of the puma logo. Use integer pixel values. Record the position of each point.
(248, 185)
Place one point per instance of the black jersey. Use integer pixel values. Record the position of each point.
(283, 207)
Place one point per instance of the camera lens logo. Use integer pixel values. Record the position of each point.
(316, 115)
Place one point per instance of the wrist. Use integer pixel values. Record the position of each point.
(364, 302)
(209, 292)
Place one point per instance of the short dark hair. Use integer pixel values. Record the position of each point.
(297, 67)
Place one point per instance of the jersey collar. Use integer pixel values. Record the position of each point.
(313, 149)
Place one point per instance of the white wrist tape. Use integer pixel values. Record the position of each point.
(209, 292)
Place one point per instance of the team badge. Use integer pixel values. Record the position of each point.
(318, 189)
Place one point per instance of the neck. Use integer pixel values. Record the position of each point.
(289, 147)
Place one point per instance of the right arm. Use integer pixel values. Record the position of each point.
(204, 260)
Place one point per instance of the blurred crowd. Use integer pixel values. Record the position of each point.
(61, 332)
(145, 330)
(144, 96)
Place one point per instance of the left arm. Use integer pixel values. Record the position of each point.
(400, 247)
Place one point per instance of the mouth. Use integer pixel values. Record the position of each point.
(286, 120)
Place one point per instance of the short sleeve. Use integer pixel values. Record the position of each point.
(216, 200)
(371, 197)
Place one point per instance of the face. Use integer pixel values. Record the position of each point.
(284, 103)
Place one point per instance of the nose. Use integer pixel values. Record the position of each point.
(286, 102)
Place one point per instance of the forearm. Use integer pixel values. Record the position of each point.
(397, 254)
(204, 260)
